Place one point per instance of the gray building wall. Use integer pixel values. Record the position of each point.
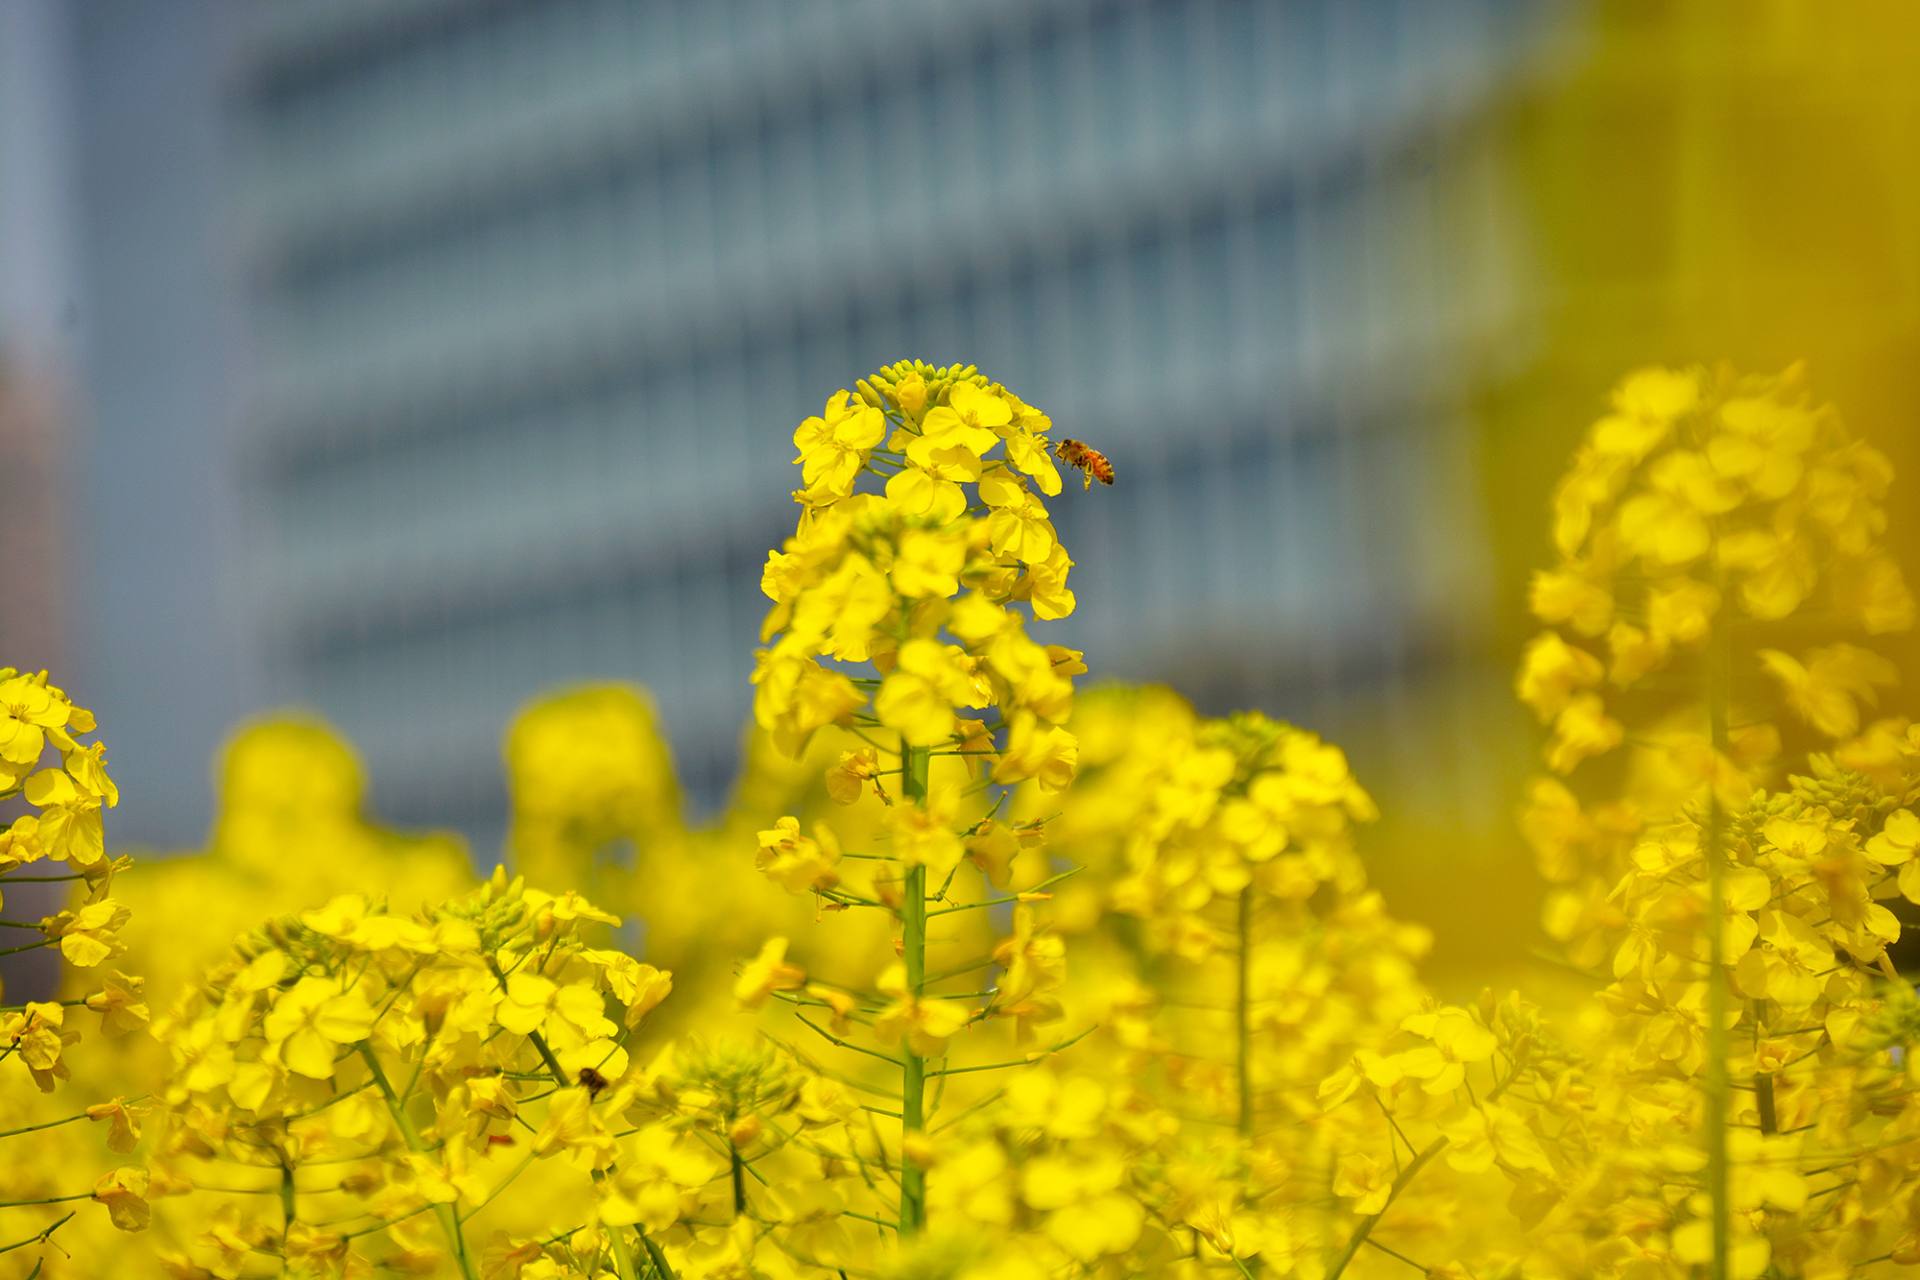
(464, 338)
(163, 633)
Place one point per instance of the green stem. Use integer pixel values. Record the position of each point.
(913, 945)
(1243, 1039)
(1242, 1029)
(1023, 895)
(1029, 1060)
(659, 1259)
(40, 1236)
(1366, 1224)
(1719, 674)
(289, 1205)
(616, 1239)
(513, 1175)
(449, 1220)
(1763, 1081)
(623, 1255)
(50, 1124)
(22, 1204)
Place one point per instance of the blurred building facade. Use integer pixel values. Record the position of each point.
(34, 569)
(33, 580)
(516, 304)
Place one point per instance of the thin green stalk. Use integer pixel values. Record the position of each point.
(1719, 674)
(48, 1124)
(1364, 1228)
(623, 1255)
(289, 1205)
(513, 1175)
(913, 1069)
(1769, 1110)
(1763, 1081)
(449, 1220)
(616, 1240)
(659, 1259)
(1023, 895)
(388, 1223)
(1242, 1029)
(1366, 1224)
(22, 1204)
(1029, 1060)
(1398, 1256)
(41, 1236)
(1243, 1038)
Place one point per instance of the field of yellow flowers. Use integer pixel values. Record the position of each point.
(981, 977)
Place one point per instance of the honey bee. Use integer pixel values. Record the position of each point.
(593, 1080)
(1088, 459)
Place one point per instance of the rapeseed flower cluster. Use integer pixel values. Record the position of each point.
(56, 836)
(1726, 837)
(590, 775)
(979, 976)
(899, 609)
(351, 1087)
(1228, 946)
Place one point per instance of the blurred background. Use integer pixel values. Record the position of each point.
(401, 359)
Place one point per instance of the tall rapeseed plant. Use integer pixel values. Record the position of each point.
(1727, 845)
(904, 613)
(63, 783)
